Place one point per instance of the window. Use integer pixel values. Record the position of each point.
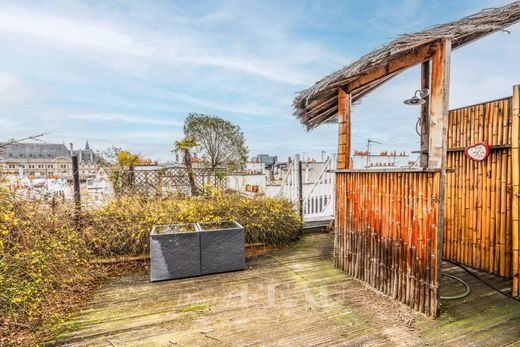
(40, 166)
(50, 166)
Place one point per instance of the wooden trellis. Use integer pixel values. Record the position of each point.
(160, 182)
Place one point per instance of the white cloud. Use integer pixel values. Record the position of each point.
(240, 108)
(102, 117)
(151, 135)
(71, 31)
(98, 38)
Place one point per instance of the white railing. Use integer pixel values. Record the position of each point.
(318, 196)
(289, 187)
(319, 201)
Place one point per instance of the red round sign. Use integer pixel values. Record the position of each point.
(478, 151)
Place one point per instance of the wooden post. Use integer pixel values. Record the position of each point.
(438, 138)
(300, 187)
(298, 183)
(439, 103)
(425, 108)
(75, 184)
(343, 129)
(515, 158)
(343, 162)
(75, 180)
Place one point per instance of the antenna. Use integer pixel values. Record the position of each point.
(369, 143)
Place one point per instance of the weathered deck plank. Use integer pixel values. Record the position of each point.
(293, 297)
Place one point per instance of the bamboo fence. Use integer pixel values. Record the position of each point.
(479, 195)
(515, 153)
(387, 233)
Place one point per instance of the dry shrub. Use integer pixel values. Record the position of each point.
(45, 255)
(123, 226)
(40, 254)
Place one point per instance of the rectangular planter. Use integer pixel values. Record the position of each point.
(174, 252)
(222, 247)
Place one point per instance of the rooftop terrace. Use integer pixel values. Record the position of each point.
(290, 297)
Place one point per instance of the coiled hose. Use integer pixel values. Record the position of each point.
(481, 280)
(460, 296)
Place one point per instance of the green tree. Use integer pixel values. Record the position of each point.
(184, 147)
(222, 144)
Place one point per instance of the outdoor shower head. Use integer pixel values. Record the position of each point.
(418, 99)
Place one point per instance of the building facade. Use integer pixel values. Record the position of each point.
(45, 160)
(86, 161)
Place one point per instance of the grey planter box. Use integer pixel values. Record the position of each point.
(174, 252)
(188, 250)
(222, 247)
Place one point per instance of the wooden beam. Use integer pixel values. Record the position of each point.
(367, 88)
(515, 164)
(439, 99)
(425, 109)
(344, 104)
(438, 141)
(395, 64)
(331, 102)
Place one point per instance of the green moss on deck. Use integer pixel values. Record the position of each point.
(294, 296)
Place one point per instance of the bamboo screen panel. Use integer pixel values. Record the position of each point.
(387, 233)
(478, 205)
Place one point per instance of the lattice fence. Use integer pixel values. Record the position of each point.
(162, 182)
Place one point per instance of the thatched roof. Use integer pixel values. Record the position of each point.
(318, 104)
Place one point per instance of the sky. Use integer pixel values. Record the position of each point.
(127, 73)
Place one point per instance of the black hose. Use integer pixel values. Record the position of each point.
(460, 296)
(481, 280)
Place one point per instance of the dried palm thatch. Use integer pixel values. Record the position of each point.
(318, 104)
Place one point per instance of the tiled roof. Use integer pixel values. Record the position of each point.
(34, 151)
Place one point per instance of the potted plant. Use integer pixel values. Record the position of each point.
(222, 247)
(174, 252)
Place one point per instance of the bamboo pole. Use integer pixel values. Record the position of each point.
(503, 208)
(515, 160)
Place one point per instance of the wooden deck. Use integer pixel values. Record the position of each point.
(292, 297)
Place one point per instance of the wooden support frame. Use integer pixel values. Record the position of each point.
(439, 103)
(344, 138)
(438, 140)
(515, 157)
(393, 67)
(424, 257)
